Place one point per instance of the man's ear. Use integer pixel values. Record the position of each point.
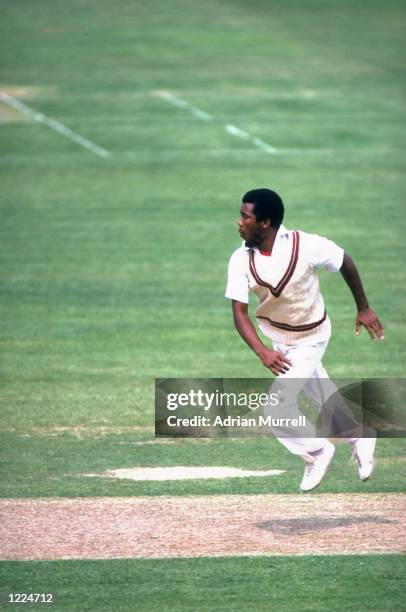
(266, 223)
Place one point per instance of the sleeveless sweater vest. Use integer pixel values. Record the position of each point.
(291, 308)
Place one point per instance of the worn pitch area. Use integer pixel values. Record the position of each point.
(196, 526)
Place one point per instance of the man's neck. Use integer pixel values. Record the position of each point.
(267, 242)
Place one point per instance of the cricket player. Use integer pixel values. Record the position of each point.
(280, 267)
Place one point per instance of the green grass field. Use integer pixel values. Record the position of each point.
(252, 583)
(113, 270)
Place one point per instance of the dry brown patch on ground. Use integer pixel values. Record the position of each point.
(196, 526)
(11, 115)
(27, 91)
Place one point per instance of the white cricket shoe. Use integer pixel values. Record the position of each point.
(363, 454)
(315, 471)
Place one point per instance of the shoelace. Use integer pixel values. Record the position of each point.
(355, 457)
(309, 468)
(357, 460)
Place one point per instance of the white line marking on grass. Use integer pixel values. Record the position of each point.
(264, 146)
(180, 103)
(230, 129)
(52, 123)
(200, 114)
(235, 131)
(314, 151)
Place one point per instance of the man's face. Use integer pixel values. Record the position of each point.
(249, 228)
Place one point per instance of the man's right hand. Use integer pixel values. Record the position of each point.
(275, 361)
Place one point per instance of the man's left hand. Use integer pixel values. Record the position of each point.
(368, 319)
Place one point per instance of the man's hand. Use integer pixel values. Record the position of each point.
(368, 319)
(366, 315)
(275, 361)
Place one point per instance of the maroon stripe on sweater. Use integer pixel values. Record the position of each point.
(295, 328)
(276, 291)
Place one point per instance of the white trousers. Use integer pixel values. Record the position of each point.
(307, 370)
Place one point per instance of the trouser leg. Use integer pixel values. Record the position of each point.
(337, 417)
(308, 374)
(306, 360)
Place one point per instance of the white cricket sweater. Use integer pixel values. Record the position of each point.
(290, 306)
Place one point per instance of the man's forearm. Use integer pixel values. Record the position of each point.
(353, 280)
(247, 331)
(273, 360)
(366, 316)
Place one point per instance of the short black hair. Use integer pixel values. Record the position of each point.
(267, 205)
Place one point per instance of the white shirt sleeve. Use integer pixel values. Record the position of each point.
(237, 285)
(324, 252)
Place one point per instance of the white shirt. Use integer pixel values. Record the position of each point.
(290, 306)
(320, 251)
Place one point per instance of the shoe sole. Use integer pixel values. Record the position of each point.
(357, 461)
(322, 478)
(372, 471)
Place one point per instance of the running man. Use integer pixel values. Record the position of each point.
(280, 267)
